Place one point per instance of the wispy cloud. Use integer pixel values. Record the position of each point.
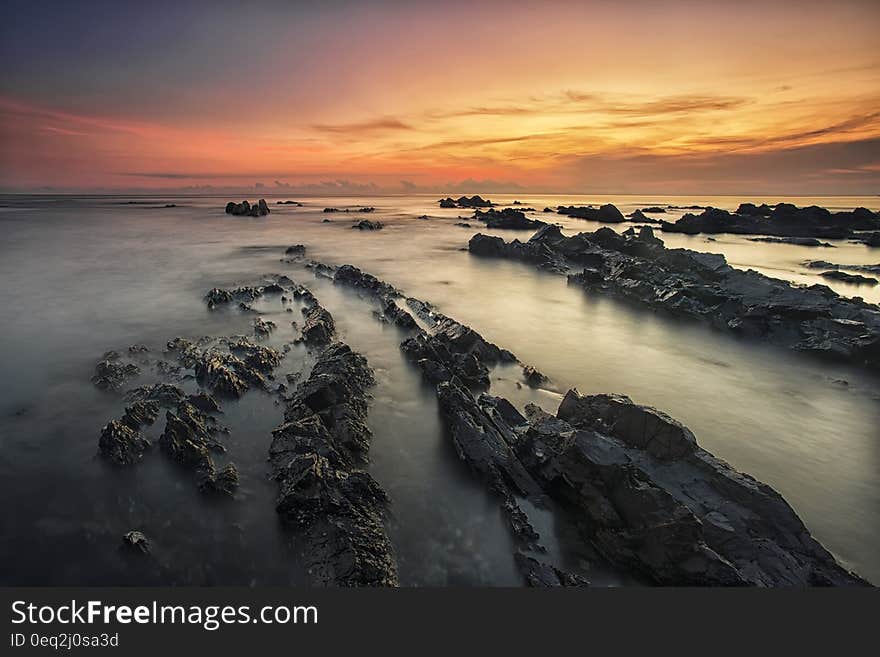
(383, 124)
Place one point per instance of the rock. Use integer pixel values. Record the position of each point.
(823, 264)
(263, 328)
(507, 219)
(354, 277)
(217, 372)
(855, 279)
(797, 241)
(704, 287)
(319, 326)
(140, 413)
(533, 377)
(331, 210)
(122, 444)
(299, 205)
(212, 482)
(649, 498)
(784, 220)
(260, 209)
(542, 575)
(297, 250)
(367, 210)
(163, 394)
(466, 202)
(607, 213)
(136, 542)
(463, 224)
(366, 224)
(334, 508)
(111, 373)
(204, 402)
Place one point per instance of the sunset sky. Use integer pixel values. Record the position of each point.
(625, 97)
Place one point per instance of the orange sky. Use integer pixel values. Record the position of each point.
(677, 97)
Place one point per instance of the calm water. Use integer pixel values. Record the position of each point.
(84, 275)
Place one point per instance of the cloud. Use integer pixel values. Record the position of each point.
(384, 124)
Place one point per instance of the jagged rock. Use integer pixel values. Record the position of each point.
(215, 371)
(204, 402)
(607, 213)
(784, 220)
(209, 480)
(136, 542)
(366, 224)
(260, 209)
(262, 328)
(111, 374)
(354, 277)
(533, 377)
(335, 509)
(163, 394)
(122, 444)
(649, 498)
(319, 327)
(296, 250)
(140, 413)
(703, 286)
(542, 575)
(507, 218)
(466, 202)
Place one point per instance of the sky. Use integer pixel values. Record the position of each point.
(660, 97)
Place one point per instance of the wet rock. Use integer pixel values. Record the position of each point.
(210, 481)
(111, 373)
(367, 209)
(204, 402)
(507, 218)
(140, 413)
(331, 210)
(366, 224)
(122, 444)
(797, 241)
(262, 328)
(542, 575)
(823, 264)
(466, 202)
(136, 542)
(844, 277)
(296, 250)
(533, 377)
(449, 349)
(163, 394)
(319, 327)
(259, 209)
(138, 349)
(297, 204)
(649, 498)
(354, 277)
(783, 220)
(255, 356)
(704, 287)
(335, 509)
(217, 372)
(607, 213)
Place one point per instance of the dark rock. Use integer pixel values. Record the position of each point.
(319, 327)
(140, 413)
(649, 498)
(122, 444)
(466, 202)
(704, 287)
(607, 213)
(111, 373)
(797, 241)
(260, 209)
(204, 402)
(542, 575)
(366, 224)
(295, 250)
(163, 394)
(533, 377)
(263, 328)
(507, 219)
(855, 279)
(136, 542)
(335, 509)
